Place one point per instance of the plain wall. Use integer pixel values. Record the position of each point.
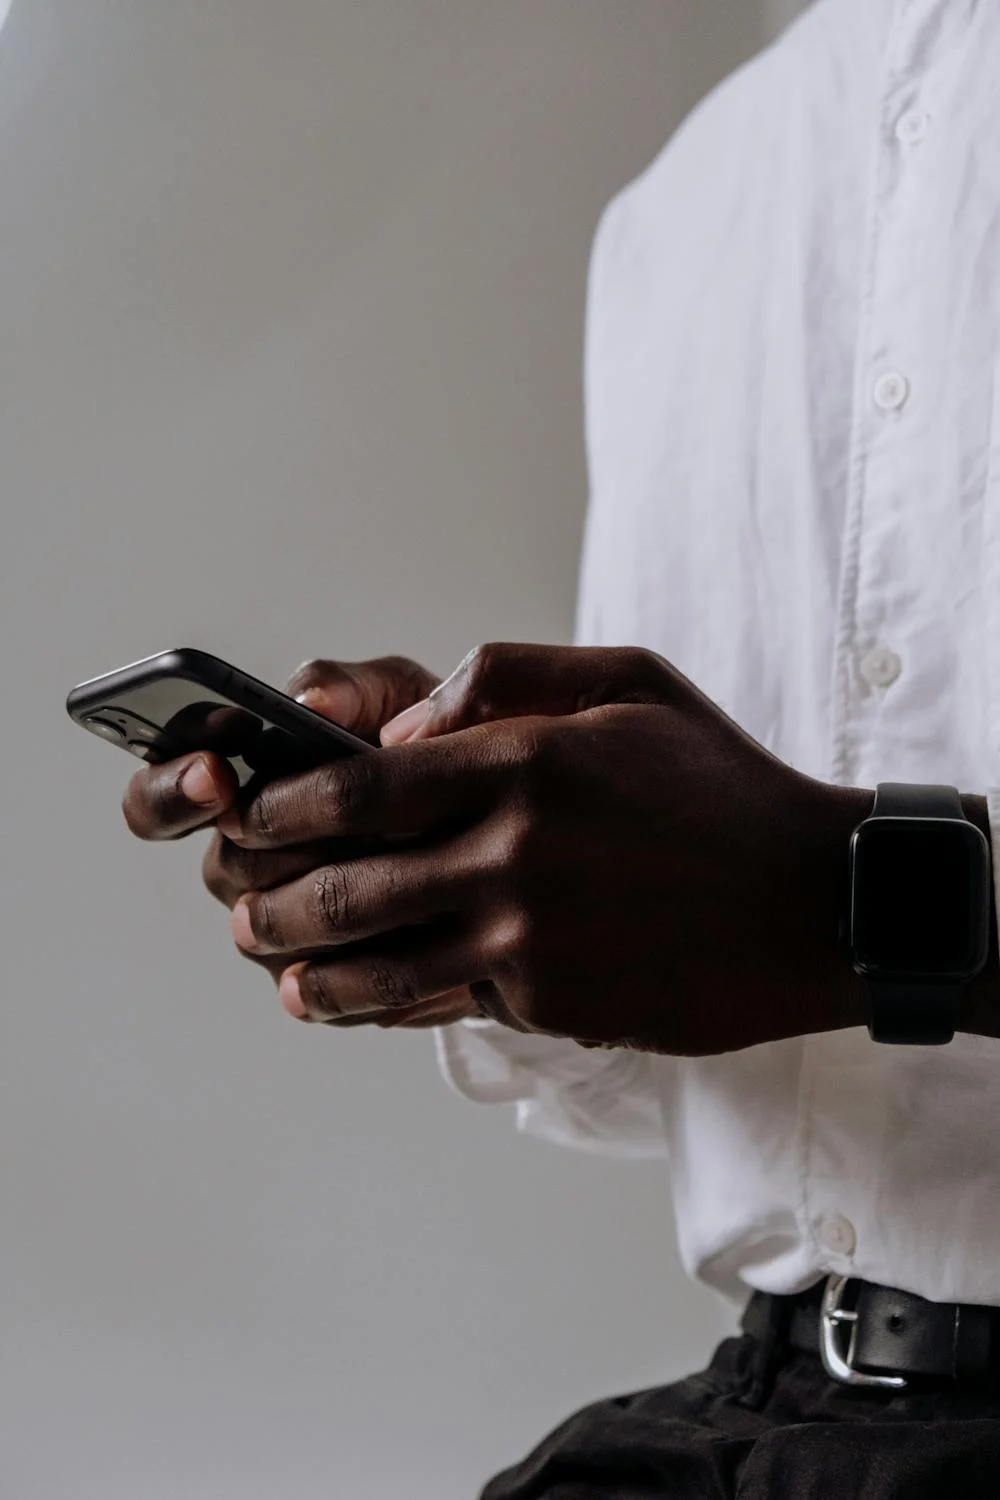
(778, 13)
(290, 315)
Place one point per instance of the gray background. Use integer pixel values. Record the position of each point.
(290, 318)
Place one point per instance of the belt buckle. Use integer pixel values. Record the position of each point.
(838, 1365)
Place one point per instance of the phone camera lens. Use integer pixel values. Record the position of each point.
(106, 729)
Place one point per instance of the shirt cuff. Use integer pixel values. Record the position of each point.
(603, 1101)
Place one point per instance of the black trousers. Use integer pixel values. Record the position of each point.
(736, 1432)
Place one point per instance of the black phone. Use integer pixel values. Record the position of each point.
(178, 701)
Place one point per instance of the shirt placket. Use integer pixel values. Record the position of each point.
(876, 593)
(874, 588)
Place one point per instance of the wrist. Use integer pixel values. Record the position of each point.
(845, 998)
(822, 990)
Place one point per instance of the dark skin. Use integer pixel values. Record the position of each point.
(577, 843)
(159, 805)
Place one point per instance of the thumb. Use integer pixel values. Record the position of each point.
(504, 681)
(363, 695)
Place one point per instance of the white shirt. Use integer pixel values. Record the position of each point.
(794, 437)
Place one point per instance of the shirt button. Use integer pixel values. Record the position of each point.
(837, 1235)
(911, 127)
(891, 391)
(880, 667)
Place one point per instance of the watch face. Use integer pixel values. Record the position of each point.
(920, 893)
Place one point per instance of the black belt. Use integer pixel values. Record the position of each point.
(874, 1335)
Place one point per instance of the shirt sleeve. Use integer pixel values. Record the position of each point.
(597, 1100)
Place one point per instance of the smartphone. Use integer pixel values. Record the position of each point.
(178, 701)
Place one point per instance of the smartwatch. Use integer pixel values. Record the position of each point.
(919, 910)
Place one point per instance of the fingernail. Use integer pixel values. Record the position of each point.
(291, 996)
(229, 824)
(241, 927)
(403, 725)
(198, 784)
(312, 697)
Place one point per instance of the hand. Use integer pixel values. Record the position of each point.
(602, 854)
(173, 800)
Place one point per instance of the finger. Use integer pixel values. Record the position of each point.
(361, 696)
(229, 870)
(352, 901)
(422, 968)
(439, 1012)
(456, 1005)
(409, 789)
(445, 1010)
(168, 801)
(501, 681)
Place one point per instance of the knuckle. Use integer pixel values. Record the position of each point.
(392, 984)
(551, 752)
(244, 869)
(258, 817)
(323, 997)
(511, 842)
(264, 922)
(624, 674)
(640, 675)
(342, 789)
(479, 677)
(231, 860)
(544, 769)
(315, 991)
(520, 955)
(333, 900)
(514, 938)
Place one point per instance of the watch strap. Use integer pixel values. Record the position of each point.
(899, 799)
(915, 1012)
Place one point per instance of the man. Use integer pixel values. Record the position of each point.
(626, 911)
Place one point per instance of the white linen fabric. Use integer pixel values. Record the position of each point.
(793, 419)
